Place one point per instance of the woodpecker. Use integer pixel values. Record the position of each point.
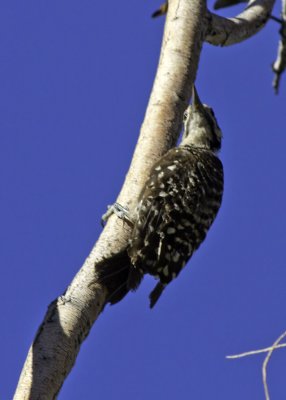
(176, 208)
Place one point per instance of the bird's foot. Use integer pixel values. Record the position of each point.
(120, 211)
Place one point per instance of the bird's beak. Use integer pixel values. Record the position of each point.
(197, 104)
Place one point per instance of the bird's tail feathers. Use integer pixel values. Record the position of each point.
(113, 273)
(134, 278)
(156, 293)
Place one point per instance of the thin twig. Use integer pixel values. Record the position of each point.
(265, 364)
(253, 352)
(269, 351)
(279, 20)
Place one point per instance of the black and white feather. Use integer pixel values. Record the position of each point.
(178, 203)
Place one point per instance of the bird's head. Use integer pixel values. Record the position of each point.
(200, 126)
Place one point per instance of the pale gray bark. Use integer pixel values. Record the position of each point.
(279, 64)
(228, 31)
(70, 317)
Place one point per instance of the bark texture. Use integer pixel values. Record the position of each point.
(227, 31)
(279, 64)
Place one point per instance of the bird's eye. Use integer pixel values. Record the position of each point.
(185, 115)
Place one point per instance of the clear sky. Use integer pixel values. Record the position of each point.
(75, 80)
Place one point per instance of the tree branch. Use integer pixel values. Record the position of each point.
(265, 364)
(70, 317)
(279, 64)
(227, 31)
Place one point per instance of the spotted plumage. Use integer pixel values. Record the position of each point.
(178, 203)
(176, 208)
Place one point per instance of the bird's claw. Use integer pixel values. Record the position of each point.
(117, 209)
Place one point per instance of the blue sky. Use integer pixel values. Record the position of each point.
(75, 80)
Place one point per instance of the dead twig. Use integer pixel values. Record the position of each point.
(269, 351)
